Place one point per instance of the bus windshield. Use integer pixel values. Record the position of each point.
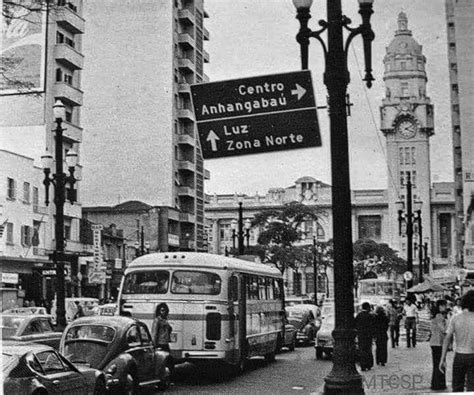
(379, 288)
(195, 282)
(146, 282)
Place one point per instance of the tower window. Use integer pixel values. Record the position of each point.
(404, 89)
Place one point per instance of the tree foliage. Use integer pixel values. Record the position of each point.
(280, 229)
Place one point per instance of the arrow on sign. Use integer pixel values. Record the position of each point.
(212, 137)
(300, 91)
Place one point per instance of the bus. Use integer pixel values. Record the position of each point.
(221, 308)
(379, 291)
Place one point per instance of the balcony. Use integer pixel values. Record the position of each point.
(205, 56)
(187, 217)
(72, 132)
(68, 94)
(186, 139)
(185, 113)
(68, 56)
(69, 20)
(186, 65)
(186, 16)
(186, 191)
(205, 34)
(186, 165)
(184, 88)
(186, 40)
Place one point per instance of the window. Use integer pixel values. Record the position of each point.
(404, 89)
(252, 287)
(234, 288)
(133, 337)
(195, 282)
(370, 227)
(11, 188)
(35, 199)
(50, 362)
(26, 233)
(403, 65)
(59, 75)
(59, 38)
(145, 336)
(10, 233)
(262, 293)
(26, 192)
(68, 79)
(148, 282)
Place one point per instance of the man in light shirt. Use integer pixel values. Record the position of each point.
(410, 311)
(461, 326)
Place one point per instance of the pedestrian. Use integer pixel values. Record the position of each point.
(394, 317)
(364, 323)
(439, 324)
(380, 334)
(410, 311)
(161, 329)
(461, 327)
(79, 310)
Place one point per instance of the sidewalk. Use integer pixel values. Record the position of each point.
(408, 371)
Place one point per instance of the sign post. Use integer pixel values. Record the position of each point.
(254, 115)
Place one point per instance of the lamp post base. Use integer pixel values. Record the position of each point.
(344, 377)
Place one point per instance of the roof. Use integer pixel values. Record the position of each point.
(191, 259)
(21, 348)
(404, 43)
(117, 321)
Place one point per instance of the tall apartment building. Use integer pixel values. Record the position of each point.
(460, 29)
(140, 142)
(41, 63)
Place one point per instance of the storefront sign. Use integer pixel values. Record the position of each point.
(97, 272)
(173, 240)
(10, 278)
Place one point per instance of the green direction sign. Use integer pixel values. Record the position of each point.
(253, 115)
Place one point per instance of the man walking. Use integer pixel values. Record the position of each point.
(365, 323)
(410, 312)
(394, 317)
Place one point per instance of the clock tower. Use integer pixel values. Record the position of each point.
(407, 124)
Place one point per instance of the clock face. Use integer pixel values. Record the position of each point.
(407, 129)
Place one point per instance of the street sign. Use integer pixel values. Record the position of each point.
(258, 114)
(408, 276)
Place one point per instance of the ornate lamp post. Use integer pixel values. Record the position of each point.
(61, 181)
(344, 377)
(233, 226)
(408, 217)
(247, 226)
(315, 272)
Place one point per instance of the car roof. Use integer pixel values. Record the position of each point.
(25, 315)
(21, 348)
(116, 321)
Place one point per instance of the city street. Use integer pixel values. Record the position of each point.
(292, 372)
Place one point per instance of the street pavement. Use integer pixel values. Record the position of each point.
(408, 371)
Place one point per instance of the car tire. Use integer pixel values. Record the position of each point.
(100, 387)
(319, 353)
(131, 384)
(292, 345)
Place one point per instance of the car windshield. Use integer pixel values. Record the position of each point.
(88, 343)
(10, 324)
(146, 282)
(195, 282)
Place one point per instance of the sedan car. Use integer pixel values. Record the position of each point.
(29, 328)
(324, 342)
(304, 318)
(122, 348)
(39, 369)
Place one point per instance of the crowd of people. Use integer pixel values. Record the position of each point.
(451, 328)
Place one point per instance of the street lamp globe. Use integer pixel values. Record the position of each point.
(59, 110)
(71, 158)
(233, 224)
(47, 160)
(248, 223)
(302, 4)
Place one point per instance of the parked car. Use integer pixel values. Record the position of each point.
(39, 369)
(88, 307)
(26, 310)
(324, 342)
(122, 348)
(297, 300)
(29, 328)
(304, 317)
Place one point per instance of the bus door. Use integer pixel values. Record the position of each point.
(242, 314)
(233, 310)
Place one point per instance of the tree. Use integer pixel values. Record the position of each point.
(280, 229)
(375, 257)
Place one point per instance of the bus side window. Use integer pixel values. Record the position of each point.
(269, 284)
(234, 288)
(261, 289)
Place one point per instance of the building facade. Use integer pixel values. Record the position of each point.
(460, 30)
(407, 125)
(141, 107)
(42, 63)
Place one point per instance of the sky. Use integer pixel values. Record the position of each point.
(251, 38)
